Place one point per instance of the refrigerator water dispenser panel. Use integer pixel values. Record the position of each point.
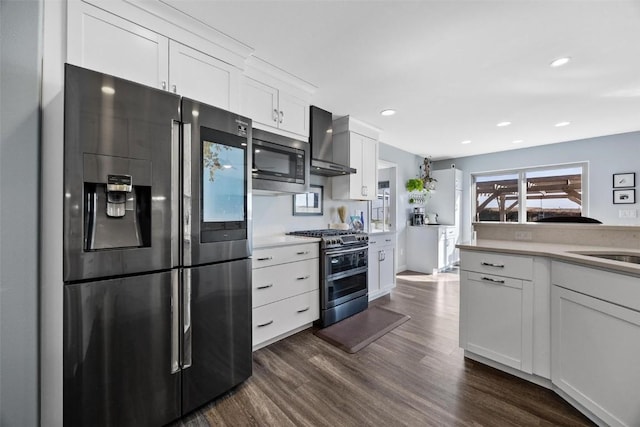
(117, 208)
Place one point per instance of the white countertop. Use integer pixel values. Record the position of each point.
(562, 252)
(281, 240)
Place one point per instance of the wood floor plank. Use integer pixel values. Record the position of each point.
(416, 375)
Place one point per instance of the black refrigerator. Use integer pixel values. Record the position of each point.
(157, 292)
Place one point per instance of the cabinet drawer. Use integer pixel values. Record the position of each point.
(491, 279)
(285, 280)
(280, 317)
(266, 257)
(520, 267)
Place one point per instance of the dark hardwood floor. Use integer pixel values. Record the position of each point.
(415, 375)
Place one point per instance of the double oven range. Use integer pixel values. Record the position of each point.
(343, 273)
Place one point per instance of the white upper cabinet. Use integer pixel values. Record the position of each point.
(202, 77)
(357, 144)
(294, 114)
(106, 43)
(274, 100)
(275, 108)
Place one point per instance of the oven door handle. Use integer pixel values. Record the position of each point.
(346, 251)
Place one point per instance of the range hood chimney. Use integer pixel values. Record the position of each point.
(321, 139)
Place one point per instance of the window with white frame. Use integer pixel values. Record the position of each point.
(531, 194)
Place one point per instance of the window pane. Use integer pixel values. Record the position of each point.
(554, 192)
(497, 198)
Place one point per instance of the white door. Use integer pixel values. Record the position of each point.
(106, 43)
(387, 270)
(202, 77)
(369, 168)
(260, 102)
(595, 347)
(294, 114)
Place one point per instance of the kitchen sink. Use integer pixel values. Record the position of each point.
(633, 259)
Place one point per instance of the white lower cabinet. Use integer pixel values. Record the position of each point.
(498, 318)
(497, 303)
(285, 294)
(382, 274)
(596, 343)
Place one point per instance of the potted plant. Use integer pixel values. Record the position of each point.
(414, 184)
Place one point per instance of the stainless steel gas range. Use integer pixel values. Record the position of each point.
(343, 273)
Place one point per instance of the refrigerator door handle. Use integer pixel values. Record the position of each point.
(186, 350)
(186, 194)
(175, 193)
(175, 322)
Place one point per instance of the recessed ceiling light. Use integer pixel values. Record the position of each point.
(388, 112)
(466, 142)
(108, 90)
(560, 62)
(559, 125)
(503, 124)
(517, 141)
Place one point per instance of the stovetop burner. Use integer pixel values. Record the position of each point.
(332, 238)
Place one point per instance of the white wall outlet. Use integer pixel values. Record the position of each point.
(627, 213)
(523, 235)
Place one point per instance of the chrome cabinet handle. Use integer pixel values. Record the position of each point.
(382, 256)
(387, 240)
(270, 285)
(302, 253)
(164, 85)
(275, 115)
(488, 264)
(174, 89)
(489, 279)
(186, 351)
(303, 310)
(268, 258)
(302, 278)
(262, 325)
(364, 190)
(281, 116)
(175, 323)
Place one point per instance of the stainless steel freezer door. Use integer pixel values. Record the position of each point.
(220, 338)
(118, 342)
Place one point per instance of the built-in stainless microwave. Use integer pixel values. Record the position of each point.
(280, 164)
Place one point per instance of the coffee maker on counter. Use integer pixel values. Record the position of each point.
(417, 218)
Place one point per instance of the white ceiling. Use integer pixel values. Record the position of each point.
(453, 69)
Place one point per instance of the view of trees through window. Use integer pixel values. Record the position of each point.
(549, 192)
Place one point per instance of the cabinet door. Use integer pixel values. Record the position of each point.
(496, 318)
(369, 168)
(202, 77)
(294, 114)
(387, 268)
(106, 43)
(373, 278)
(356, 191)
(595, 347)
(260, 102)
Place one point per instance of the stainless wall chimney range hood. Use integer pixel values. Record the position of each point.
(321, 139)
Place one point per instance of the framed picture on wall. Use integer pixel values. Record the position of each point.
(309, 203)
(624, 197)
(624, 180)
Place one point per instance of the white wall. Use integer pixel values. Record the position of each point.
(407, 167)
(605, 155)
(274, 214)
(20, 56)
